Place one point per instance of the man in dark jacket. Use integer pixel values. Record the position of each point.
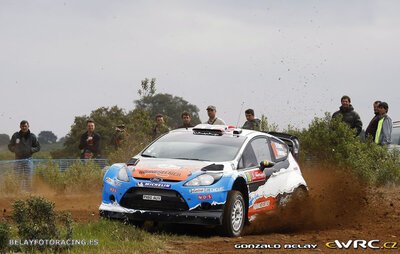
(90, 142)
(373, 124)
(252, 123)
(349, 116)
(24, 143)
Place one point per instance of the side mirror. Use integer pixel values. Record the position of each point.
(266, 164)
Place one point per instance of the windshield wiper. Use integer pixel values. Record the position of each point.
(190, 159)
(148, 156)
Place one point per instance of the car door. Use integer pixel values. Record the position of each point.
(257, 150)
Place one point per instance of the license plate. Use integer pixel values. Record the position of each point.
(152, 197)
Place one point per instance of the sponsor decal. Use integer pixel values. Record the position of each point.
(165, 174)
(159, 172)
(201, 190)
(362, 244)
(112, 182)
(261, 205)
(204, 197)
(113, 190)
(154, 185)
(255, 175)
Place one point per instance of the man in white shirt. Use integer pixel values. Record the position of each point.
(212, 118)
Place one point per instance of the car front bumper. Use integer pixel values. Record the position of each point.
(207, 217)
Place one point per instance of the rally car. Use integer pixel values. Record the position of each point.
(209, 175)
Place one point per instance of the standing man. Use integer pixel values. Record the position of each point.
(160, 127)
(252, 123)
(373, 124)
(186, 120)
(349, 116)
(24, 144)
(212, 116)
(90, 142)
(385, 125)
(119, 136)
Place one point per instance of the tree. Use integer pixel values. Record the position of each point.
(265, 126)
(4, 139)
(47, 137)
(162, 103)
(147, 89)
(170, 106)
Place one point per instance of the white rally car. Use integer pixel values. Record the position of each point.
(209, 175)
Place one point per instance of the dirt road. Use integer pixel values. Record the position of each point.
(340, 209)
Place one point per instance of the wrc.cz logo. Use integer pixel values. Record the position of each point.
(364, 244)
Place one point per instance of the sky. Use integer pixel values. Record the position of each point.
(289, 60)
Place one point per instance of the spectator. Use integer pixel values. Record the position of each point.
(385, 125)
(186, 120)
(212, 118)
(119, 136)
(160, 127)
(252, 123)
(24, 144)
(90, 142)
(373, 124)
(349, 116)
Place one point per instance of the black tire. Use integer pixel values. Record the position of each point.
(234, 214)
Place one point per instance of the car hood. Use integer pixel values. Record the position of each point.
(167, 169)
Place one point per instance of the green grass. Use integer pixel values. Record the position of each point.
(107, 236)
(117, 237)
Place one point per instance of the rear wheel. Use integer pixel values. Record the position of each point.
(234, 214)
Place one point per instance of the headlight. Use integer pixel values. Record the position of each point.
(123, 175)
(204, 180)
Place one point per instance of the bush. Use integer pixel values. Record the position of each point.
(36, 219)
(83, 177)
(4, 236)
(333, 142)
(79, 177)
(51, 175)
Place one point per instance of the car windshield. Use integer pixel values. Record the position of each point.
(188, 146)
(396, 135)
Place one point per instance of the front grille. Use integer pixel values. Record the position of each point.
(170, 200)
(164, 180)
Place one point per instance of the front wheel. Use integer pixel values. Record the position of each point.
(234, 214)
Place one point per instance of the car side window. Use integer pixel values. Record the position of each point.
(248, 158)
(279, 149)
(255, 152)
(261, 149)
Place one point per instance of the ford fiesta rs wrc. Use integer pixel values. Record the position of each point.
(209, 175)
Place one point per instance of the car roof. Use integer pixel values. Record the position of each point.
(227, 130)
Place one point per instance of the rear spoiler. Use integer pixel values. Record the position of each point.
(292, 142)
